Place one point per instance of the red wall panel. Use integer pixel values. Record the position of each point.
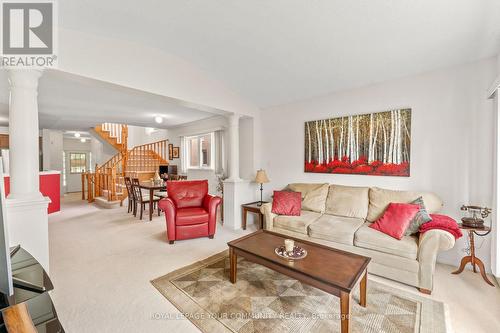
(50, 186)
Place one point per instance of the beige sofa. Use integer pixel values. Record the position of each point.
(339, 216)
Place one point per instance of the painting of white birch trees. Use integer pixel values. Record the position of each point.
(370, 144)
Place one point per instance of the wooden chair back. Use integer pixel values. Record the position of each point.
(128, 185)
(136, 189)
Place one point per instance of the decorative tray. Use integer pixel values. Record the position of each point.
(297, 253)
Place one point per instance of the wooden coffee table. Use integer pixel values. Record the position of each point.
(333, 271)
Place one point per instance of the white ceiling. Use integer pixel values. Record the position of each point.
(278, 51)
(71, 102)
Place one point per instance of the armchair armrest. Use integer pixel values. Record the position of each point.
(210, 204)
(168, 206)
(269, 216)
(429, 245)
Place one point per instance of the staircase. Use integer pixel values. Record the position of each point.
(106, 186)
(115, 134)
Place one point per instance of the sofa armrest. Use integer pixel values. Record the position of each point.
(429, 245)
(269, 216)
(168, 206)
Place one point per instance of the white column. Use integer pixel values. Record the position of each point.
(234, 147)
(26, 208)
(23, 134)
(236, 190)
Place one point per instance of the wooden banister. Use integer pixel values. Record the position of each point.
(147, 157)
(108, 177)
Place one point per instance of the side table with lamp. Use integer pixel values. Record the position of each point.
(474, 225)
(261, 178)
(254, 207)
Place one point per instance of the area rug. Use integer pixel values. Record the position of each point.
(263, 300)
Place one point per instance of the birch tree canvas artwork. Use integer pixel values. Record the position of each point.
(370, 144)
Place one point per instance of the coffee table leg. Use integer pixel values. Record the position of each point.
(233, 263)
(244, 219)
(345, 312)
(362, 289)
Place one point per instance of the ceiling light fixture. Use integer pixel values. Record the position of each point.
(159, 119)
(83, 140)
(77, 135)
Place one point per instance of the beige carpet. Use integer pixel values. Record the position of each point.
(263, 300)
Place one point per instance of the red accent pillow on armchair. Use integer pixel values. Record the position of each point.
(396, 219)
(287, 203)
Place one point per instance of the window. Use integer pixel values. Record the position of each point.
(77, 162)
(199, 151)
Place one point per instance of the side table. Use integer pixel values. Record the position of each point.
(252, 207)
(472, 257)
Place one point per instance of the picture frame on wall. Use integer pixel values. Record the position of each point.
(170, 151)
(175, 152)
(376, 144)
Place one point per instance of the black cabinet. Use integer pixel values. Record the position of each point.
(27, 271)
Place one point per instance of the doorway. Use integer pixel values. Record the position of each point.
(76, 162)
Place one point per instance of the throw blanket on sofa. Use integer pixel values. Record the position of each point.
(442, 222)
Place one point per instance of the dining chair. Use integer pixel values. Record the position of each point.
(142, 199)
(130, 195)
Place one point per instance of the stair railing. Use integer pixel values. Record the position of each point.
(147, 157)
(107, 177)
(117, 131)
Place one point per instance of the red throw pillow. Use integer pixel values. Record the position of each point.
(396, 219)
(287, 203)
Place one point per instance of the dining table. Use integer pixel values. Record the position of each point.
(152, 186)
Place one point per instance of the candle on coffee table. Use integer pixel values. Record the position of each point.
(289, 243)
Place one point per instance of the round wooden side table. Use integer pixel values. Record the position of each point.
(472, 259)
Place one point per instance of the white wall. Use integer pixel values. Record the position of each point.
(52, 147)
(247, 162)
(138, 135)
(495, 234)
(144, 68)
(100, 152)
(452, 138)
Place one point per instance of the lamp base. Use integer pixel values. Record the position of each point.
(260, 202)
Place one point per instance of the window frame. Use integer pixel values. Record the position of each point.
(70, 159)
(187, 154)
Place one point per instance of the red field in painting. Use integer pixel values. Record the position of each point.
(359, 167)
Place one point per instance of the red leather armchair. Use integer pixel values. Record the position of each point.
(190, 212)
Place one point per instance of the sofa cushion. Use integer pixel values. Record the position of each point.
(368, 238)
(337, 229)
(191, 215)
(380, 198)
(286, 203)
(313, 195)
(296, 223)
(347, 201)
(420, 218)
(396, 219)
